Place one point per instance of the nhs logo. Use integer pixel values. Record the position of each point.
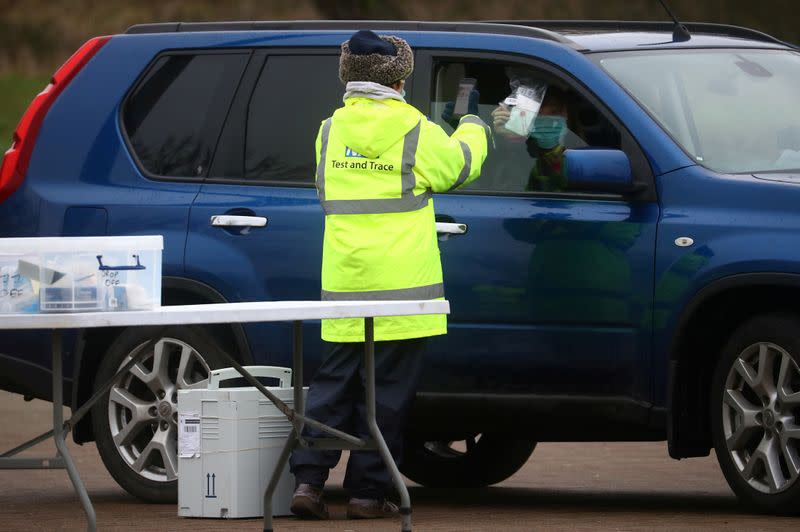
(350, 153)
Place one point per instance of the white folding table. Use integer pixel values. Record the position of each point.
(294, 311)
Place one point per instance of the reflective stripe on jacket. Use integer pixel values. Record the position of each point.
(378, 162)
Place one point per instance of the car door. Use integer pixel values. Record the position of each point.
(550, 290)
(255, 228)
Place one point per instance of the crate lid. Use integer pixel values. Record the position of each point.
(78, 244)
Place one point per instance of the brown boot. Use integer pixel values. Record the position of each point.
(307, 503)
(371, 509)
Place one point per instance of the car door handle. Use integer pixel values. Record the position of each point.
(446, 228)
(232, 220)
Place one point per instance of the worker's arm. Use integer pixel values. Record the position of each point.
(448, 162)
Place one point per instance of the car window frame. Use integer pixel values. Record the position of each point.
(237, 116)
(643, 175)
(140, 80)
(247, 93)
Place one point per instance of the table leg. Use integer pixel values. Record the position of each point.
(291, 442)
(369, 369)
(27, 445)
(61, 428)
(60, 433)
(297, 372)
(283, 459)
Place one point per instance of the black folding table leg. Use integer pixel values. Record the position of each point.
(60, 434)
(397, 478)
(283, 459)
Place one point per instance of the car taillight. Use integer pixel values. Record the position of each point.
(16, 159)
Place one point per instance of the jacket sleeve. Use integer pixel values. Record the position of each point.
(447, 162)
(318, 148)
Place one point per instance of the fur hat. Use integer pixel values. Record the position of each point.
(383, 59)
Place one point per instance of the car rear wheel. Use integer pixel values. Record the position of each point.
(756, 413)
(478, 461)
(135, 424)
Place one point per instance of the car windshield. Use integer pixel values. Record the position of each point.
(733, 111)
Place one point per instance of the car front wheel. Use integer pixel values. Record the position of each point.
(756, 413)
(135, 424)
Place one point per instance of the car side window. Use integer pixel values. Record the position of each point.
(534, 115)
(293, 95)
(174, 115)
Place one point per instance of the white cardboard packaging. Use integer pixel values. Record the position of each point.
(229, 440)
(80, 274)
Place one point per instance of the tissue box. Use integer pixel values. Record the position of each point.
(75, 274)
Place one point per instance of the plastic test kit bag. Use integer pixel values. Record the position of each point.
(524, 104)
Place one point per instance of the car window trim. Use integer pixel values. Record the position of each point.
(277, 52)
(269, 53)
(141, 78)
(642, 171)
(237, 117)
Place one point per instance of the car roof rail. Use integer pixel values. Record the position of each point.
(506, 28)
(726, 30)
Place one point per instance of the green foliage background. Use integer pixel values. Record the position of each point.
(16, 92)
(38, 35)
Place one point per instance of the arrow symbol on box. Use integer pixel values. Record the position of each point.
(211, 487)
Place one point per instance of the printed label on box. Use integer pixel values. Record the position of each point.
(188, 435)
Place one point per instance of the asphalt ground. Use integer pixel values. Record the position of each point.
(596, 486)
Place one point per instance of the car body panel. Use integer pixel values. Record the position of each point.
(733, 234)
(555, 288)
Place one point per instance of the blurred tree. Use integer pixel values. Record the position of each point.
(37, 35)
(361, 9)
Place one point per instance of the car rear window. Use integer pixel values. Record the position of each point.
(174, 115)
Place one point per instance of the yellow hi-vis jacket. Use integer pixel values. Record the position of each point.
(378, 162)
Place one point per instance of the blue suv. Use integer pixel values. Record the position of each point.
(652, 295)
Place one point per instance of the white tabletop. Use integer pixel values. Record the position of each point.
(258, 311)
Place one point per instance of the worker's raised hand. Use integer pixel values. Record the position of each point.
(448, 115)
(472, 102)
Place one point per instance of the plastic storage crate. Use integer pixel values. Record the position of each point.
(80, 274)
(229, 440)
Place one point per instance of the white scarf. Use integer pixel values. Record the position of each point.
(368, 89)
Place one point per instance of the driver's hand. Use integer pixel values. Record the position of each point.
(500, 116)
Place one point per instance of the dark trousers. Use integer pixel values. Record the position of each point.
(336, 398)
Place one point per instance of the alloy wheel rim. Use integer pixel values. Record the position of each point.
(143, 406)
(760, 412)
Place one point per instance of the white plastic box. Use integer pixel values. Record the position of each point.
(229, 441)
(80, 274)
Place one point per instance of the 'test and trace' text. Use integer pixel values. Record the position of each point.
(362, 165)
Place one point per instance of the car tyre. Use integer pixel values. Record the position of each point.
(480, 461)
(135, 423)
(755, 413)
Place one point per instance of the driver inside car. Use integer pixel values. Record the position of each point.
(545, 140)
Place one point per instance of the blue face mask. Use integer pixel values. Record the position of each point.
(403, 93)
(549, 131)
